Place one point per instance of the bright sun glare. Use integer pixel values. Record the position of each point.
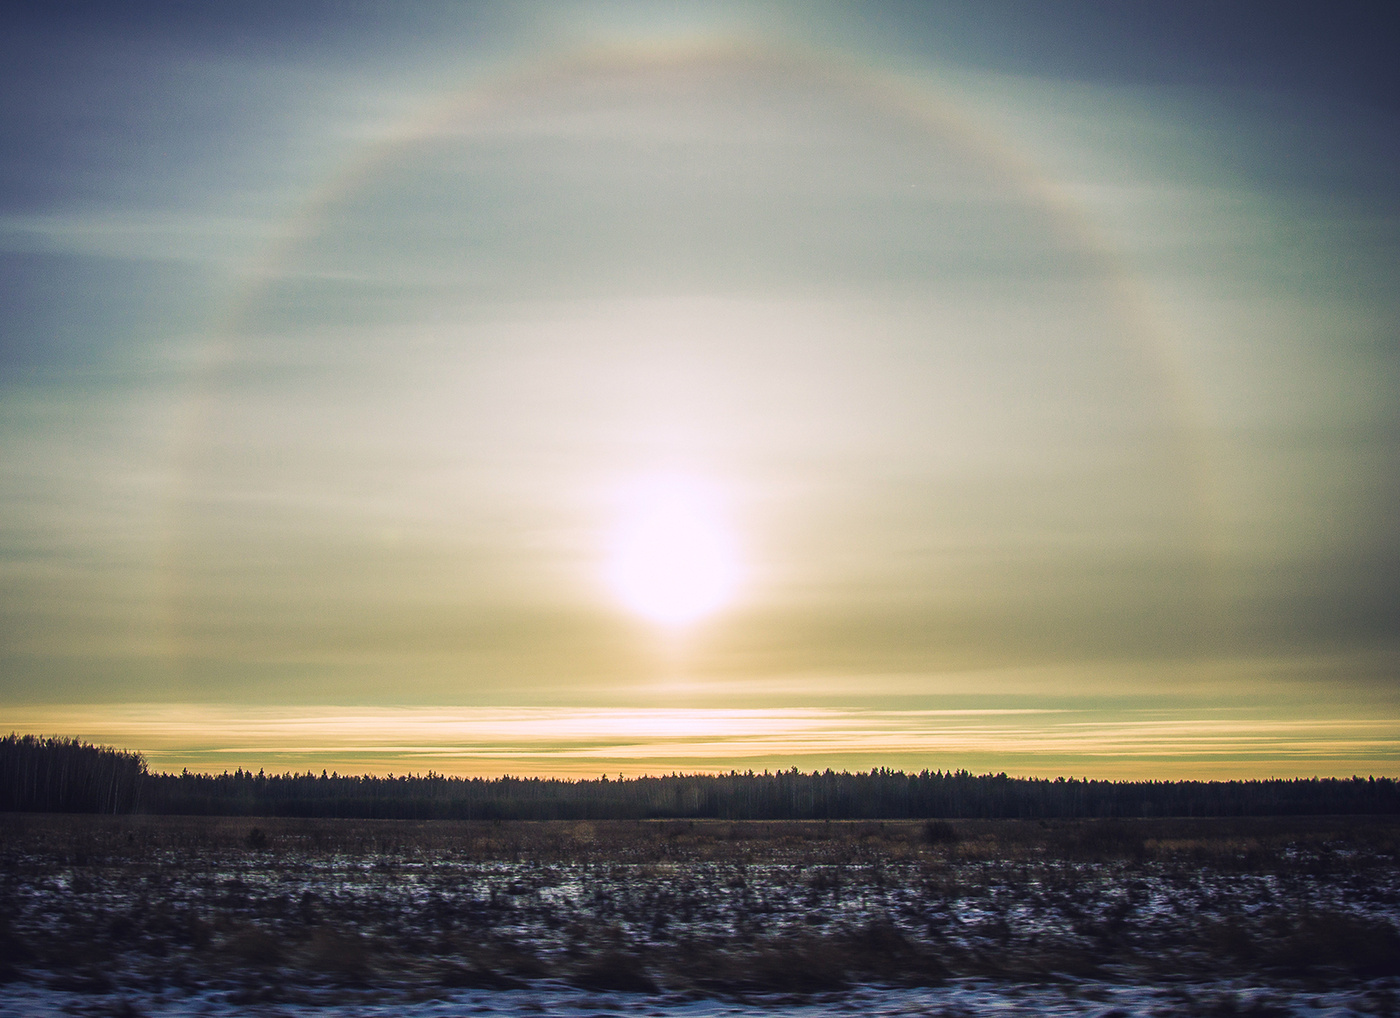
(672, 560)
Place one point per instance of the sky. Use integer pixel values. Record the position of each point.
(634, 388)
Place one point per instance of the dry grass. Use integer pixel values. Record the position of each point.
(99, 904)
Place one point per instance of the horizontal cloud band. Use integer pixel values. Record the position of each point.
(565, 741)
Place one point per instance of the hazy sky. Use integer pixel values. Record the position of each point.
(652, 386)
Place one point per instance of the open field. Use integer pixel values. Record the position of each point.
(175, 915)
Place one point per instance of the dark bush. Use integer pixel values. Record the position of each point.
(614, 970)
(255, 946)
(796, 966)
(940, 832)
(1106, 839)
(1333, 940)
(473, 977)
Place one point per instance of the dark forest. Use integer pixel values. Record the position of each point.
(69, 776)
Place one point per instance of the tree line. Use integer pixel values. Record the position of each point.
(66, 775)
(57, 775)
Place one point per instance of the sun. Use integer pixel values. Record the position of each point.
(672, 560)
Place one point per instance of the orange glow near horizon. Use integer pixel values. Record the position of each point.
(582, 742)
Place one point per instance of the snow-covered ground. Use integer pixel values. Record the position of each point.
(961, 999)
(179, 916)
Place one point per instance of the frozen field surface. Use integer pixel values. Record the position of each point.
(226, 916)
(961, 998)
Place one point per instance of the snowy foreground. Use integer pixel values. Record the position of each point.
(961, 998)
(222, 916)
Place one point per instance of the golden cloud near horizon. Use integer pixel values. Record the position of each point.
(576, 742)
